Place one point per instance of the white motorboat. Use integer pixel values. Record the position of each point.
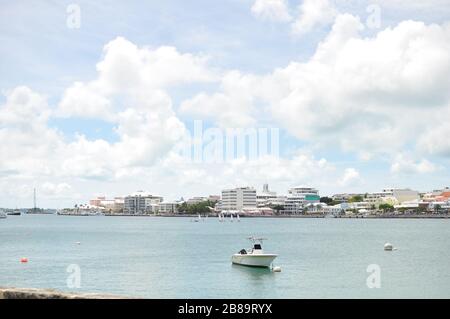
(2, 214)
(254, 257)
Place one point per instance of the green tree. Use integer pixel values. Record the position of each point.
(326, 200)
(386, 207)
(278, 208)
(437, 208)
(356, 198)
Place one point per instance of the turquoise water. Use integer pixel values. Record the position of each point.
(176, 258)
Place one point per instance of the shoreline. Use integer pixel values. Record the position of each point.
(48, 293)
(415, 216)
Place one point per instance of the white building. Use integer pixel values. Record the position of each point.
(141, 203)
(242, 198)
(298, 197)
(196, 200)
(110, 205)
(322, 208)
(265, 198)
(398, 195)
(168, 207)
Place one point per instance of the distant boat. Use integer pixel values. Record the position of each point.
(238, 218)
(231, 218)
(14, 213)
(98, 213)
(3, 215)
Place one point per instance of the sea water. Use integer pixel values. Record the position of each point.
(161, 257)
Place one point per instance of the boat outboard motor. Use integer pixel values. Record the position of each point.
(243, 252)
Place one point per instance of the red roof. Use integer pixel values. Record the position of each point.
(445, 195)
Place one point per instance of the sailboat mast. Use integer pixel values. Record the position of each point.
(34, 200)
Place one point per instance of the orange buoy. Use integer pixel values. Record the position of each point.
(24, 260)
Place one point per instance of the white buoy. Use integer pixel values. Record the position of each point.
(276, 269)
(388, 247)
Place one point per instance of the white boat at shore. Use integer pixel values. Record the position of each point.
(254, 257)
(2, 215)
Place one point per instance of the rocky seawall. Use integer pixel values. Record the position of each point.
(35, 293)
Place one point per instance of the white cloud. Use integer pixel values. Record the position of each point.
(56, 190)
(127, 72)
(25, 139)
(356, 91)
(232, 107)
(313, 14)
(406, 165)
(273, 10)
(145, 123)
(436, 141)
(84, 100)
(353, 93)
(281, 173)
(351, 176)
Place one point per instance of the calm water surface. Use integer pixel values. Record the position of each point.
(175, 258)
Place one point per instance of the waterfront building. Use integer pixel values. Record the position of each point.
(298, 197)
(141, 203)
(114, 205)
(168, 207)
(196, 200)
(242, 198)
(323, 208)
(97, 201)
(214, 198)
(443, 197)
(393, 195)
(266, 197)
(344, 198)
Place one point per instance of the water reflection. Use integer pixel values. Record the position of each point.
(256, 273)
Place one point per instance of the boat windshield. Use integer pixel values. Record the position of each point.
(257, 246)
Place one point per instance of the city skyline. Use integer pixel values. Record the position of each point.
(357, 92)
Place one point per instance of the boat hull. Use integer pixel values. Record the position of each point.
(263, 260)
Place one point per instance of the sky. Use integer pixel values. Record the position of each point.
(114, 97)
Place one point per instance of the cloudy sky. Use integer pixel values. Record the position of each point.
(98, 99)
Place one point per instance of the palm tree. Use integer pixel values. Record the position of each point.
(437, 208)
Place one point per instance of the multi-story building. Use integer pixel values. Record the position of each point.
(298, 197)
(97, 201)
(344, 198)
(196, 200)
(141, 203)
(398, 195)
(214, 198)
(242, 198)
(168, 207)
(114, 205)
(266, 197)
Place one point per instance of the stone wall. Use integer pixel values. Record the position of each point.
(34, 293)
